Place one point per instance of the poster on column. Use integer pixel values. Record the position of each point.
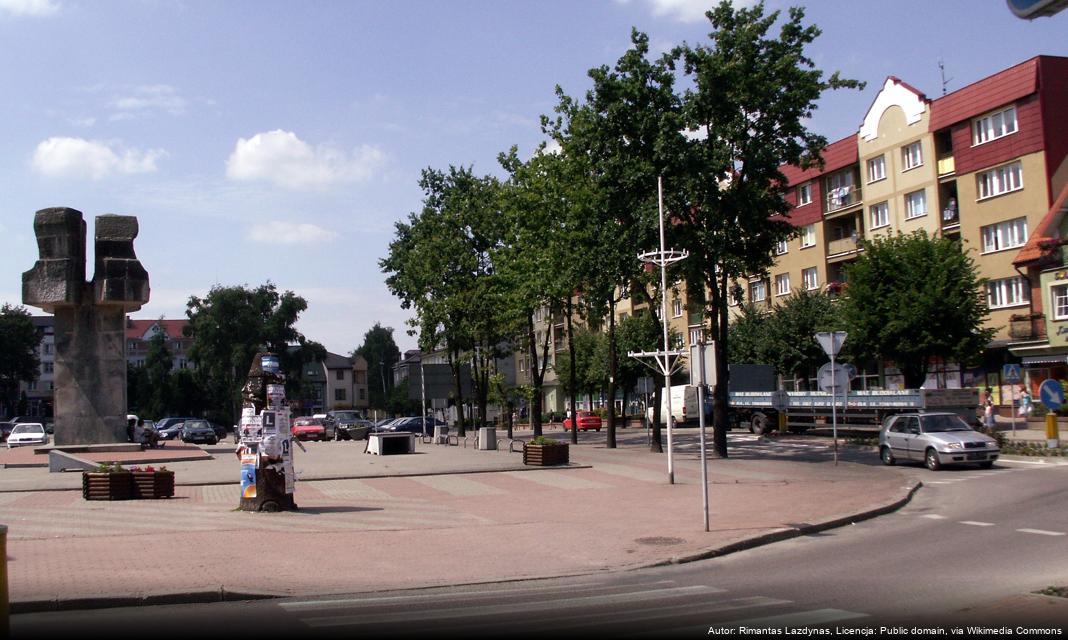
(249, 462)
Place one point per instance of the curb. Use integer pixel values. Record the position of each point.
(791, 532)
(111, 602)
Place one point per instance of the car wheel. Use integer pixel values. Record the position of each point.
(887, 457)
(931, 460)
(986, 465)
(759, 424)
(213, 442)
(598, 429)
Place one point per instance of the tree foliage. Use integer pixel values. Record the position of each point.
(381, 353)
(230, 325)
(19, 340)
(913, 298)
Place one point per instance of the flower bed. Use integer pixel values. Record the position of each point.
(544, 452)
(113, 482)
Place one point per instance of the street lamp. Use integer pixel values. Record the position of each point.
(663, 258)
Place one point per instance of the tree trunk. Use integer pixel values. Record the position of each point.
(719, 395)
(537, 376)
(656, 445)
(571, 383)
(460, 431)
(612, 369)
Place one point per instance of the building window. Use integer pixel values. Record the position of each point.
(363, 394)
(676, 308)
(994, 126)
(915, 204)
(1000, 180)
(340, 374)
(32, 386)
(808, 236)
(877, 169)
(1007, 292)
(181, 363)
(811, 278)
(47, 349)
(1060, 302)
(339, 395)
(47, 367)
(1004, 235)
(841, 190)
(880, 215)
(912, 155)
(177, 346)
(782, 284)
(697, 334)
(757, 291)
(804, 194)
(131, 345)
(781, 247)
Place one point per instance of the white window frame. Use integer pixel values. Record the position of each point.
(1007, 292)
(808, 236)
(910, 210)
(884, 219)
(782, 284)
(1059, 301)
(877, 169)
(993, 126)
(782, 247)
(758, 287)
(999, 180)
(676, 308)
(804, 194)
(912, 156)
(1007, 234)
(811, 278)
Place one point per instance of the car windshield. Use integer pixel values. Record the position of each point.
(27, 428)
(346, 415)
(196, 424)
(939, 424)
(306, 422)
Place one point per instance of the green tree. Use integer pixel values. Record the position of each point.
(792, 347)
(591, 363)
(230, 325)
(624, 134)
(382, 354)
(635, 334)
(750, 99)
(912, 298)
(157, 391)
(18, 353)
(748, 335)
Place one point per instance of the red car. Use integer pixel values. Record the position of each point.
(586, 420)
(309, 429)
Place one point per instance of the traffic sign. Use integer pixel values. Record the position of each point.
(780, 400)
(838, 380)
(1052, 394)
(831, 341)
(1011, 373)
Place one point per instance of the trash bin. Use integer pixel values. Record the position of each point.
(441, 434)
(487, 439)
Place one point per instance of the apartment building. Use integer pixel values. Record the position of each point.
(140, 332)
(982, 165)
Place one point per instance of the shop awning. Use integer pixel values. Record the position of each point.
(1031, 361)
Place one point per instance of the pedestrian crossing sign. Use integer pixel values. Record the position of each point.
(1011, 373)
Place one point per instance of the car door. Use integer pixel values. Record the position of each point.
(912, 438)
(896, 438)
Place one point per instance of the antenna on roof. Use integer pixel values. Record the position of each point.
(942, 72)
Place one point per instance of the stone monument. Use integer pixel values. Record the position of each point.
(90, 319)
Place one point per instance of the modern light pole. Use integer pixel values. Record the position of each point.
(663, 258)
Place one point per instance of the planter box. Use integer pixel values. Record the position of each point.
(107, 486)
(153, 484)
(544, 455)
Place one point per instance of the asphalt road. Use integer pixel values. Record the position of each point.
(968, 538)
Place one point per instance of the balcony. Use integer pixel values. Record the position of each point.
(1024, 327)
(946, 166)
(843, 245)
(841, 198)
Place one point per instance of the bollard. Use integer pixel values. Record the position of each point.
(1052, 433)
(782, 422)
(5, 609)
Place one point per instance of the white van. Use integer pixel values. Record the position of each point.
(683, 405)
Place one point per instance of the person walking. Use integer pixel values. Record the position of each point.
(988, 413)
(1026, 404)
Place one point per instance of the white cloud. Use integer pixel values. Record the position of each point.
(81, 158)
(29, 7)
(146, 99)
(283, 158)
(278, 232)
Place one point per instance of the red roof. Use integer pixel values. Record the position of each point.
(836, 155)
(135, 329)
(1045, 230)
(986, 94)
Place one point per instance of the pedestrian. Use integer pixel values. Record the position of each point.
(1026, 404)
(988, 413)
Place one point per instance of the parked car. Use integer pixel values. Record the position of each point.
(27, 433)
(329, 424)
(5, 429)
(220, 431)
(198, 431)
(354, 430)
(411, 424)
(586, 420)
(935, 439)
(305, 428)
(170, 428)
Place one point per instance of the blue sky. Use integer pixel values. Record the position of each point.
(280, 141)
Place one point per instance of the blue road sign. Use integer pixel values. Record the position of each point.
(1052, 394)
(1011, 373)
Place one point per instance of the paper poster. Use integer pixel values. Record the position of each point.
(248, 478)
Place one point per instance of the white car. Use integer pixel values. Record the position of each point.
(27, 433)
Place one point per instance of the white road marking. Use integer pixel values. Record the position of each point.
(977, 524)
(933, 516)
(1042, 532)
(801, 618)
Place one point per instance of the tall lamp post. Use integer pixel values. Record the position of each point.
(663, 258)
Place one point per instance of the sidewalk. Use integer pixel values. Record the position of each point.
(446, 515)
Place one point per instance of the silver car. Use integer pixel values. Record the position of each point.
(935, 439)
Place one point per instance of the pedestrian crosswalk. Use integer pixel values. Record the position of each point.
(661, 608)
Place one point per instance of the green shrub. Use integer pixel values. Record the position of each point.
(545, 441)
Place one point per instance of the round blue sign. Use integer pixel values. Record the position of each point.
(1052, 394)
